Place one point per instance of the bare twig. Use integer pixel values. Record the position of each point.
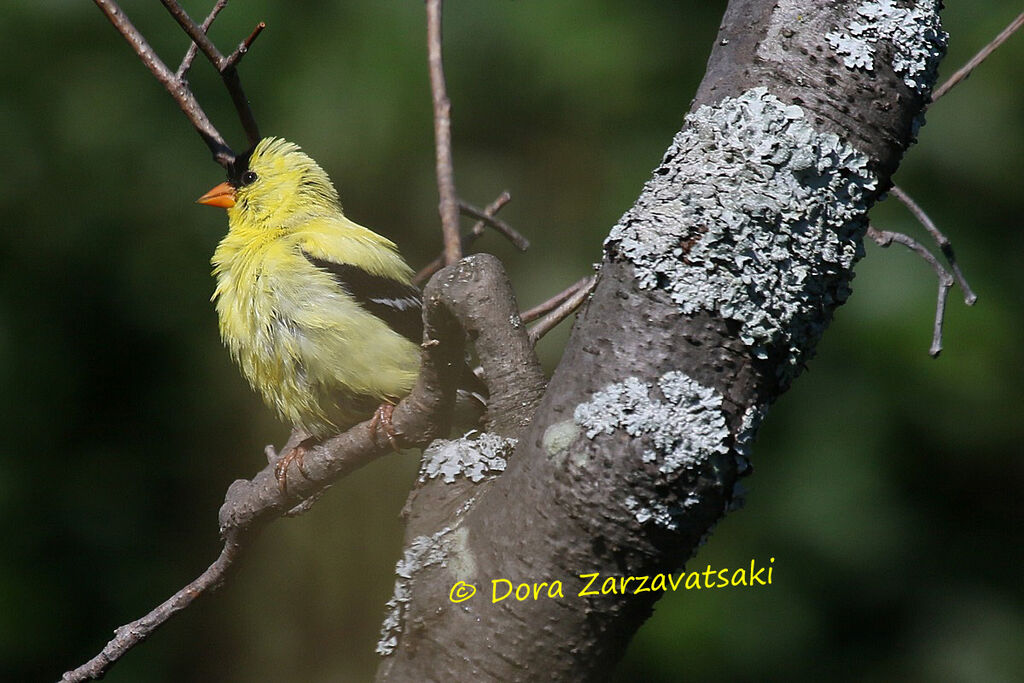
(449, 201)
(884, 238)
(195, 32)
(977, 59)
(531, 314)
(467, 240)
(130, 635)
(490, 210)
(520, 242)
(188, 103)
(940, 239)
(176, 84)
(577, 294)
(193, 49)
(225, 66)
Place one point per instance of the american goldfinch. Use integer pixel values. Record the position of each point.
(319, 313)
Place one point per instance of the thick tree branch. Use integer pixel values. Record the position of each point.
(714, 290)
(472, 298)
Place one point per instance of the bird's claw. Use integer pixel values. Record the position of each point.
(382, 419)
(295, 455)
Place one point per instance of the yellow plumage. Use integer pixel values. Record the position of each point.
(291, 279)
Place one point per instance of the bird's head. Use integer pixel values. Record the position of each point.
(274, 182)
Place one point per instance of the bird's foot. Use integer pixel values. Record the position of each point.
(382, 419)
(295, 455)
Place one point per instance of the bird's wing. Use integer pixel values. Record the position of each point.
(396, 303)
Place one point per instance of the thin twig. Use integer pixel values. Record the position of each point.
(467, 240)
(884, 238)
(195, 32)
(449, 202)
(531, 314)
(188, 103)
(491, 210)
(940, 239)
(130, 635)
(583, 289)
(520, 242)
(977, 59)
(193, 49)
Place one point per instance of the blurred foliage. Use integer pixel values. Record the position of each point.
(886, 484)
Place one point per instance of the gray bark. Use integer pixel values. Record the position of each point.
(714, 290)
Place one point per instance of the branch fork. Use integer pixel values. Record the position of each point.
(946, 278)
(175, 82)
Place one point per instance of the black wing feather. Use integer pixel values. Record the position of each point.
(396, 303)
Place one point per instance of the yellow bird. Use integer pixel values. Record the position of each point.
(319, 313)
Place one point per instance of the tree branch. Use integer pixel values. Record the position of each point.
(188, 103)
(884, 238)
(225, 67)
(940, 239)
(488, 218)
(130, 635)
(467, 240)
(449, 201)
(714, 290)
(531, 314)
(235, 57)
(176, 84)
(193, 49)
(195, 32)
(472, 297)
(963, 72)
(573, 299)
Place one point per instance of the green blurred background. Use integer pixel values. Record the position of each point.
(887, 484)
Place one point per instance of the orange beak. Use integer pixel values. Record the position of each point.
(223, 196)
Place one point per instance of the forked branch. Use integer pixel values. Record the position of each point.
(940, 239)
(884, 238)
(193, 49)
(226, 66)
(175, 82)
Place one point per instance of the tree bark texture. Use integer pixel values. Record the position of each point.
(714, 289)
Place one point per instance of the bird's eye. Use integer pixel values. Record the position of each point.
(248, 178)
